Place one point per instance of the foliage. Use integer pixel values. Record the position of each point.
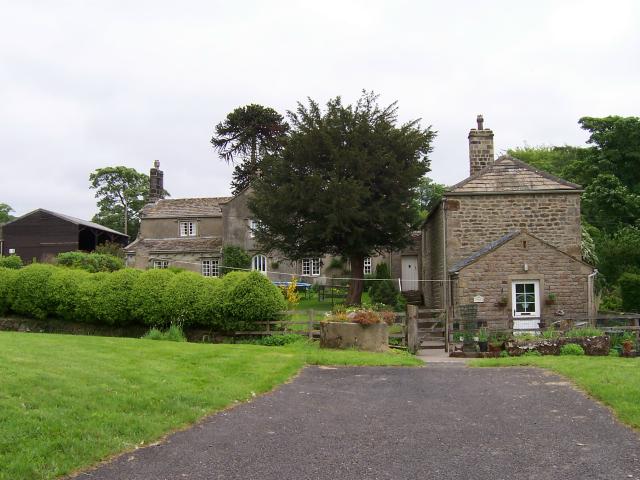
(588, 244)
(630, 292)
(5, 213)
(383, 289)
(30, 296)
(234, 258)
(11, 261)
(246, 135)
(609, 205)
(343, 184)
(428, 195)
(113, 304)
(483, 335)
(185, 297)
(550, 333)
(291, 294)
(571, 349)
(147, 297)
(280, 340)
(110, 248)
(91, 262)
(244, 298)
(532, 353)
(583, 332)
(619, 253)
(121, 193)
(363, 316)
(173, 334)
(7, 282)
(67, 289)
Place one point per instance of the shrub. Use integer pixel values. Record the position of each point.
(147, 297)
(630, 292)
(113, 297)
(7, 279)
(183, 299)
(280, 340)
(382, 289)
(532, 353)
(65, 290)
(30, 296)
(571, 349)
(234, 258)
(245, 298)
(173, 334)
(87, 297)
(583, 332)
(11, 261)
(91, 262)
(110, 248)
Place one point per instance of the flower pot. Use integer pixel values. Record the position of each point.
(372, 338)
(627, 347)
(484, 346)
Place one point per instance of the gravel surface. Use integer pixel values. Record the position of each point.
(440, 422)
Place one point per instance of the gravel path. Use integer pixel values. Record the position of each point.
(437, 422)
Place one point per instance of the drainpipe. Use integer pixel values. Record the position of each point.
(445, 285)
(591, 297)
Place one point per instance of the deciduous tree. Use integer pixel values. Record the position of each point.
(5, 213)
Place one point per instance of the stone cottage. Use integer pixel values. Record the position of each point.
(191, 233)
(507, 240)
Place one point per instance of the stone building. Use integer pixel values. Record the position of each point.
(506, 239)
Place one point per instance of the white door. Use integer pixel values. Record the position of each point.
(525, 303)
(409, 273)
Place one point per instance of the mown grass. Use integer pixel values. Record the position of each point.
(67, 402)
(612, 380)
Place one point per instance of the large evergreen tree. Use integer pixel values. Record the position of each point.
(245, 136)
(344, 184)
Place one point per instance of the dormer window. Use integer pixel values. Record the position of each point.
(187, 229)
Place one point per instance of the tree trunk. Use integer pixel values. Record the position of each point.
(356, 285)
(126, 219)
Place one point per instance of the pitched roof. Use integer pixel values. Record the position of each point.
(69, 218)
(185, 207)
(489, 247)
(508, 174)
(178, 245)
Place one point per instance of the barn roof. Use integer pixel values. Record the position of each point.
(70, 219)
(185, 207)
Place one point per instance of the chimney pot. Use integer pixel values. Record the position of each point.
(480, 121)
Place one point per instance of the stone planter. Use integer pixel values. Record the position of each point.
(597, 346)
(371, 338)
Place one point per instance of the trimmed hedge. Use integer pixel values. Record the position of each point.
(154, 297)
(630, 292)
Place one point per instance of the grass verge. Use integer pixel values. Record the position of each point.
(613, 381)
(67, 402)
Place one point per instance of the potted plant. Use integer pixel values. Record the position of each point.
(468, 342)
(483, 339)
(502, 302)
(627, 344)
(551, 299)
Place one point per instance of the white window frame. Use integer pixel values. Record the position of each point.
(367, 266)
(311, 267)
(188, 228)
(259, 264)
(253, 224)
(162, 264)
(535, 314)
(210, 267)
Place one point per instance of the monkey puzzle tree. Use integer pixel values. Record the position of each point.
(344, 184)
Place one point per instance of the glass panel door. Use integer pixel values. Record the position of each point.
(526, 298)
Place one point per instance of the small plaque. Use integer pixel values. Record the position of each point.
(478, 299)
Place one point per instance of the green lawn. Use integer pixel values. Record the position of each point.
(612, 380)
(67, 402)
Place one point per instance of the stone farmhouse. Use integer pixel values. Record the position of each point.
(507, 240)
(190, 233)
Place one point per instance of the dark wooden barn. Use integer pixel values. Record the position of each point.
(42, 234)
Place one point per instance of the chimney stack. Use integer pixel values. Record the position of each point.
(156, 183)
(480, 147)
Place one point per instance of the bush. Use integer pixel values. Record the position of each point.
(110, 248)
(245, 298)
(234, 258)
(187, 297)
(65, 292)
(91, 262)
(280, 340)
(583, 332)
(630, 292)
(11, 261)
(147, 297)
(571, 349)
(7, 281)
(30, 295)
(113, 297)
(383, 289)
(87, 297)
(173, 334)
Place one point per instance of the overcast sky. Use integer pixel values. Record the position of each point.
(87, 84)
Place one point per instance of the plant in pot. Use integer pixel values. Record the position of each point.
(502, 302)
(627, 344)
(483, 339)
(495, 343)
(551, 299)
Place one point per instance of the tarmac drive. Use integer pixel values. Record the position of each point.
(437, 422)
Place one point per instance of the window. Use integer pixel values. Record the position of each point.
(259, 264)
(210, 268)
(253, 224)
(526, 298)
(187, 229)
(160, 264)
(311, 267)
(367, 266)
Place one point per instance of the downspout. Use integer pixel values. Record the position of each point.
(591, 294)
(445, 285)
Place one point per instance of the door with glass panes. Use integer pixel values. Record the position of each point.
(525, 302)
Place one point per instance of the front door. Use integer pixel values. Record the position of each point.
(525, 303)
(409, 273)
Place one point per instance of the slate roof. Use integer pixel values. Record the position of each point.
(69, 218)
(185, 207)
(508, 174)
(489, 247)
(178, 245)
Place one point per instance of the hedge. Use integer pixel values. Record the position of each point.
(154, 297)
(630, 292)
(91, 262)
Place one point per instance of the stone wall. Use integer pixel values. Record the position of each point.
(432, 260)
(480, 149)
(170, 227)
(473, 221)
(491, 277)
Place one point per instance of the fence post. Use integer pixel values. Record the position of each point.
(311, 318)
(413, 342)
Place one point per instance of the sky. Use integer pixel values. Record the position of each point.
(88, 84)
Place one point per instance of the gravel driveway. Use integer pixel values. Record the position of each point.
(437, 422)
